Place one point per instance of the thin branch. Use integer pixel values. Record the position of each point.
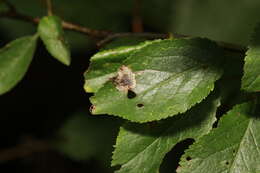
(14, 14)
(49, 7)
(232, 47)
(85, 30)
(137, 23)
(104, 36)
(18, 16)
(27, 148)
(66, 25)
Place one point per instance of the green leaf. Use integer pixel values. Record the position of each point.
(51, 33)
(251, 78)
(105, 64)
(233, 147)
(123, 42)
(142, 147)
(15, 59)
(167, 77)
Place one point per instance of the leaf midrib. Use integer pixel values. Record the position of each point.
(238, 149)
(236, 154)
(172, 77)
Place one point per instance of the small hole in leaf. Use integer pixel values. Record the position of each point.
(227, 163)
(92, 108)
(140, 105)
(131, 94)
(188, 158)
(173, 157)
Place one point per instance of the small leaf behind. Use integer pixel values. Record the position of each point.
(251, 78)
(51, 33)
(83, 137)
(15, 59)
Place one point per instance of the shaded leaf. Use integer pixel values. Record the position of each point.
(234, 146)
(170, 76)
(251, 78)
(15, 59)
(142, 147)
(51, 33)
(230, 83)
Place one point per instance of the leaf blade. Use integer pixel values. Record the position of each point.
(171, 77)
(139, 144)
(232, 147)
(15, 59)
(251, 77)
(52, 35)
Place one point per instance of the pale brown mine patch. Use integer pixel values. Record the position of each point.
(125, 79)
(92, 108)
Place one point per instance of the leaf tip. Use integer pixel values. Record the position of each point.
(88, 89)
(66, 61)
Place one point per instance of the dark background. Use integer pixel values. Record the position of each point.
(49, 106)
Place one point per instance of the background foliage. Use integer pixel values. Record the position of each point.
(50, 104)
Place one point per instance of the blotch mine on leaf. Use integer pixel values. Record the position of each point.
(125, 79)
